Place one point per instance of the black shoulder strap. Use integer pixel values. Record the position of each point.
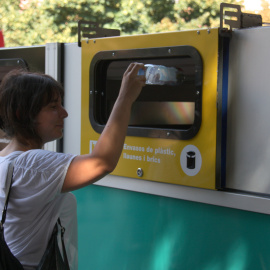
(8, 188)
(63, 244)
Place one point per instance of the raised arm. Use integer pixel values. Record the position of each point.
(86, 169)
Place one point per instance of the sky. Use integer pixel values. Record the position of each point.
(253, 4)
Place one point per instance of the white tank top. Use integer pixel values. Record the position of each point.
(35, 203)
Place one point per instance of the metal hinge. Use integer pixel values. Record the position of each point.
(236, 19)
(88, 29)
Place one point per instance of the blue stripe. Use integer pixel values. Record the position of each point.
(224, 109)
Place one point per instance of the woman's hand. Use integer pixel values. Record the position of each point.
(132, 83)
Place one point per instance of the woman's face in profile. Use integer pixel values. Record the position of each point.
(50, 121)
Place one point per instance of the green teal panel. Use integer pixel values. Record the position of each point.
(124, 230)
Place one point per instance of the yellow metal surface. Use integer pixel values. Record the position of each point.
(163, 160)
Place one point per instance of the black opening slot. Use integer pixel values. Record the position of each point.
(166, 111)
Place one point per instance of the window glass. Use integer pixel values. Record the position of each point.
(172, 104)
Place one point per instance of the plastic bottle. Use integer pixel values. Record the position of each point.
(160, 75)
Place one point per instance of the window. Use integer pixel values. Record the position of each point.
(7, 65)
(164, 111)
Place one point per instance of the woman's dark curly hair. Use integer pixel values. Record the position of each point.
(22, 96)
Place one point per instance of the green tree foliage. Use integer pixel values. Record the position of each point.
(35, 22)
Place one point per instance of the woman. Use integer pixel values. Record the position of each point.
(31, 114)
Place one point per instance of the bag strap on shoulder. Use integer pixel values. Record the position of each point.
(7, 193)
(63, 243)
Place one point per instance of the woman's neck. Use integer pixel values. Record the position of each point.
(18, 145)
